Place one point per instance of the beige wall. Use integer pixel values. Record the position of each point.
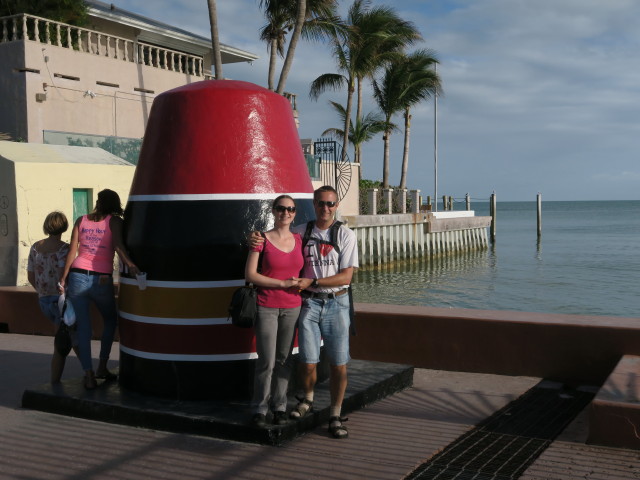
(349, 205)
(115, 111)
(43, 188)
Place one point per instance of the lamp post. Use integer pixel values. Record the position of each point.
(435, 146)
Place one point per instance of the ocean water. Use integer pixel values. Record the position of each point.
(587, 262)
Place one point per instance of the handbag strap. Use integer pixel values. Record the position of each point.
(261, 254)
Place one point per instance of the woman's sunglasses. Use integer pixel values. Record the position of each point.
(322, 203)
(282, 208)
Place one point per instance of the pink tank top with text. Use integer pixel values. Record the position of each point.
(95, 250)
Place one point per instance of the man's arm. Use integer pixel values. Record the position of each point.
(343, 277)
(254, 239)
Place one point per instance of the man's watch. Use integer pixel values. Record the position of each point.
(314, 284)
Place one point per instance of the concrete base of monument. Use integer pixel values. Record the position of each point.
(368, 382)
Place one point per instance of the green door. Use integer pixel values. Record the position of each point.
(81, 202)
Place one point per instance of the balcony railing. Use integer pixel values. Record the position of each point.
(49, 32)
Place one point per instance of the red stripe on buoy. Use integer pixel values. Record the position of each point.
(187, 339)
(227, 136)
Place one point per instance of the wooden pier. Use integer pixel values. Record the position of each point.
(395, 237)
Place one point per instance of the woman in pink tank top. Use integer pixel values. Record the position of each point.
(278, 308)
(88, 278)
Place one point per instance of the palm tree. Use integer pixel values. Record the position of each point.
(318, 19)
(293, 43)
(215, 42)
(335, 81)
(388, 35)
(406, 81)
(421, 83)
(364, 129)
(371, 37)
(73, 12)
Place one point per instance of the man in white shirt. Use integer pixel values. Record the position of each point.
(327, 274)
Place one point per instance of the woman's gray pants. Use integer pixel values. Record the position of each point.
(274, 340)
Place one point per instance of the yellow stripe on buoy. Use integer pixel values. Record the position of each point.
(168, 302)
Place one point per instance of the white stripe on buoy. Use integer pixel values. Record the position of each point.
(175, 321)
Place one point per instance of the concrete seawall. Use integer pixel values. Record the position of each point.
(395, 237)
(572, 348)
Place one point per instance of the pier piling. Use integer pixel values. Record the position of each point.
(539, 202)
(493, 217)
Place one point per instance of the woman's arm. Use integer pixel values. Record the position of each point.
(116, 235)
(31, 276)
(71, 256)
(251, 275)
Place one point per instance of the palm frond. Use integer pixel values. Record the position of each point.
(326, 81)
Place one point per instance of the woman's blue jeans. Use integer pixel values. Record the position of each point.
(83, 289)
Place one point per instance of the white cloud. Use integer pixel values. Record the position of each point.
(537, 94)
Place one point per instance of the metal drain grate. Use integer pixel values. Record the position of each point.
(503, 446)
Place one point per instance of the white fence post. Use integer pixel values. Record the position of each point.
(373, 201)
(415, 201)
(388, 199)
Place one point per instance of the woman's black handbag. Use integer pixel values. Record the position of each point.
(243, 309)
(62, 340)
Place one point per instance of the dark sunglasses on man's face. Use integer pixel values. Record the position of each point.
(322, 203)
(282, 208)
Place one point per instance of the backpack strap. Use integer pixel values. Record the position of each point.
(333, 235)
(307, 233)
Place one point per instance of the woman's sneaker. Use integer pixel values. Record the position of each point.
(280, 418)
(259, 420)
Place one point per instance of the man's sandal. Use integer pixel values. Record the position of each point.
(336, 427)
(304, 406)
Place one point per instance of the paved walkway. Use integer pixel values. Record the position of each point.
(387, 440)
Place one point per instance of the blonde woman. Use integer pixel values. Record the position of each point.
(44, 267)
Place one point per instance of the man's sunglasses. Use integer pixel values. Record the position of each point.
(322, 203)
(282, 208)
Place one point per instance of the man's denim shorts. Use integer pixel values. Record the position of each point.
(327, 320)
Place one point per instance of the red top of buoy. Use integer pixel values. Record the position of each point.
(221, 137)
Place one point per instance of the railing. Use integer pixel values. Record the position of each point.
(389, 238)
(50, 32)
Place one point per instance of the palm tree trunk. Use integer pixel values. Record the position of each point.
(272, 63)
(359, 104)
(385, 161)
(288, 61)
(405, 152)
(215, 41)
(347, 118)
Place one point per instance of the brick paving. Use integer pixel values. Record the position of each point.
(387, 439)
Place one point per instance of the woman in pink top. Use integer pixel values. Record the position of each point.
(89, 267)
(278, 308)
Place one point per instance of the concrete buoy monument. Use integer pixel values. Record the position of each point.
(214, 156)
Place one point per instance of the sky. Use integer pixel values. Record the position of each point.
(539, 96)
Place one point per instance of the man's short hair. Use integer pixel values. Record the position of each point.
(322, 189)
(55, 224)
